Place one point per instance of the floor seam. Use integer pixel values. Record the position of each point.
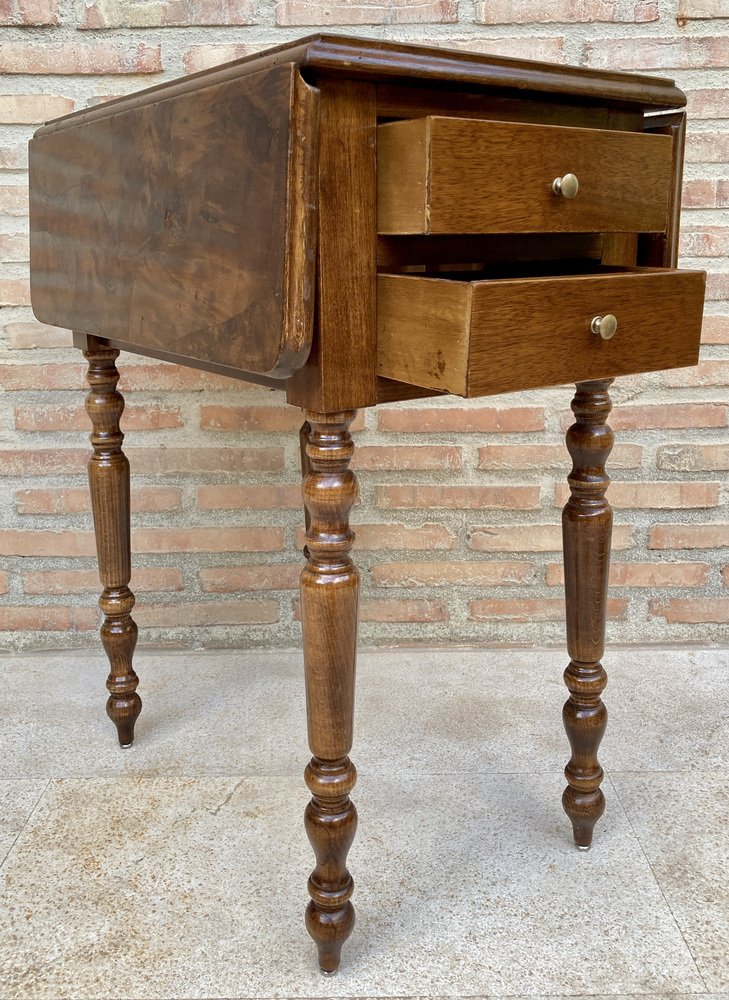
(655, 877)
(27, 820)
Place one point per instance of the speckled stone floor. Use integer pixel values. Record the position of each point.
(177, 869)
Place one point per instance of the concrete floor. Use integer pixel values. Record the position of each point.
(177, 869)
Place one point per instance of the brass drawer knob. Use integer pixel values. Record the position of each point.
(566, 186)
(605, 326)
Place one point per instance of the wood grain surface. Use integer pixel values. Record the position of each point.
(454, 175)
(586, 530)
(185, 226)
(477, 338)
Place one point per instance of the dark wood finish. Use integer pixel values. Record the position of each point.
(324, 56)
(329, 602)
(170, 226)
(457, 175)
(345, 319)
(586, 526)
(476, 338)
(228, 221)
(661, 249)
(109, 484)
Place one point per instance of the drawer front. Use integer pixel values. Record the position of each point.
(476, 338)
(456, 175)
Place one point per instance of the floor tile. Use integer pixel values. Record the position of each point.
(682, 822)
(467, 885)
(18, 799)
(418, 711)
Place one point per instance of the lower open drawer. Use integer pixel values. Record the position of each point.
(473, 336)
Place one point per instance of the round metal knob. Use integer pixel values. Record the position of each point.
(605, 326)
(566, 186)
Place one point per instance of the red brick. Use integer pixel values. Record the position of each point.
(461, 420)
(548, 456)
(709, 373)
(396, 537)
(447, 574)
(25, 336)
(705, 241)
(134, 378)
(200, 57)
(48, 619)
(14, 292)
(689, 536)
(639, 54)
(263, 539)
(457, 497)
(32, 109)
(708, 103)
(519, 47)
(44, 461)
(377, 537)
(564, 11)
(406, 458)
(717, 285)
(708, 192)
(160, 461)
(534, 538)
(3, 583)
(643, 574)
(344, 12)
(52, 417)
(404, 611)
(534, 609)
(707, 147)
(700, 9)
(654, 496)
(231, 579)
(14, 199)
(47, 543)
(168, 13)
(250, 497)
(84, 581)
(23, 13)
(103, 57)
(693, 610)
(13, 248)
(694, 457)
(668, 416)
(715, 330)
(13, 157)
(211, 613)
(251, 418)
(71, 501)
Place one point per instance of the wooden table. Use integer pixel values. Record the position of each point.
(354, 222)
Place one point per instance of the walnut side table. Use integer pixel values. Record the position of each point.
(355, 222)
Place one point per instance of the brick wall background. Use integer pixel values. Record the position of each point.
(458, 527)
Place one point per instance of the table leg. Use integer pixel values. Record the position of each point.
(109, 484)
(586, 525)
(329, 601)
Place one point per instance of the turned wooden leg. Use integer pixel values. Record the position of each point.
(109, 484)
(586, 525)
(329, 599)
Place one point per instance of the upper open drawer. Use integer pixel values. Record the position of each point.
(458, 175)
(184, 227)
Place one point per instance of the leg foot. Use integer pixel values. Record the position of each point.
(109, 484)
(587, 527)
(329, 602)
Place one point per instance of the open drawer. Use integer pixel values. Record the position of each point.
(476, 336)
(459, 175)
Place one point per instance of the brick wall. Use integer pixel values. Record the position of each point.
(458, 527)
